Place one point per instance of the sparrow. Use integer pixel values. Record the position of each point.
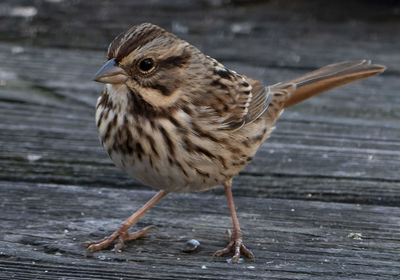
(178, 120)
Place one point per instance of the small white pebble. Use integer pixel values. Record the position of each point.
(101, 257)
(27, 11)
(241, 28)
(33, 158)
(203, 267)
(355, 235)
(191, 245)
(292, 210)
(17, 49)
(251, 267)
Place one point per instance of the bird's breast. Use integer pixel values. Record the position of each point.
(171, 152)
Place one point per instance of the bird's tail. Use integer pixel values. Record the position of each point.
(328, 77)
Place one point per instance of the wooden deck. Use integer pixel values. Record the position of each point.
(321, 200)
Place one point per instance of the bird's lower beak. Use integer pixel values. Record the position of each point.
(110, 73)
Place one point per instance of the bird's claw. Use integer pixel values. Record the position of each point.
(122, 236)
(236, 245)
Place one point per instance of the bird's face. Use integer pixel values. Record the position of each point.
(150, 62)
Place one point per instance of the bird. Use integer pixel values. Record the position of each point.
(178, 120)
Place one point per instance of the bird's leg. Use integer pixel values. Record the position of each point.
(235, 241)
(122, 233)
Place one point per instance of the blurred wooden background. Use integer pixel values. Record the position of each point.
(321, 200)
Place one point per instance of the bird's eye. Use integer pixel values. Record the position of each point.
(146, 65)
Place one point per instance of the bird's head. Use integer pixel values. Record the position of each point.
(151, 62)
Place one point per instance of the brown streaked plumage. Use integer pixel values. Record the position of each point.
(179, 121)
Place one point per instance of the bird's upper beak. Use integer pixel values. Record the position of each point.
(111, 73)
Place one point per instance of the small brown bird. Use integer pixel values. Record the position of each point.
(180, 121)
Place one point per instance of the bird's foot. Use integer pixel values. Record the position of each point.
(122, 235)
(235, 244)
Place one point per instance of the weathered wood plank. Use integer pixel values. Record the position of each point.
(349, 135)
(281, 33)
(291, 239)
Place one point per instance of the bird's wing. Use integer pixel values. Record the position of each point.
(235, 99)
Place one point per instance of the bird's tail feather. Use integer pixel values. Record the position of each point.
(329, 77)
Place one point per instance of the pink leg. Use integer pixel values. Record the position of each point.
(235, 240)
(122, 233)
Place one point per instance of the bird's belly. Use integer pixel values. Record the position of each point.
(165, 175)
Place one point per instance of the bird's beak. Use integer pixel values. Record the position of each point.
(110, 73)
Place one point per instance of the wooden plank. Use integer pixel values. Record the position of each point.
(281, 33)
(348, 135)
(42, 225)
